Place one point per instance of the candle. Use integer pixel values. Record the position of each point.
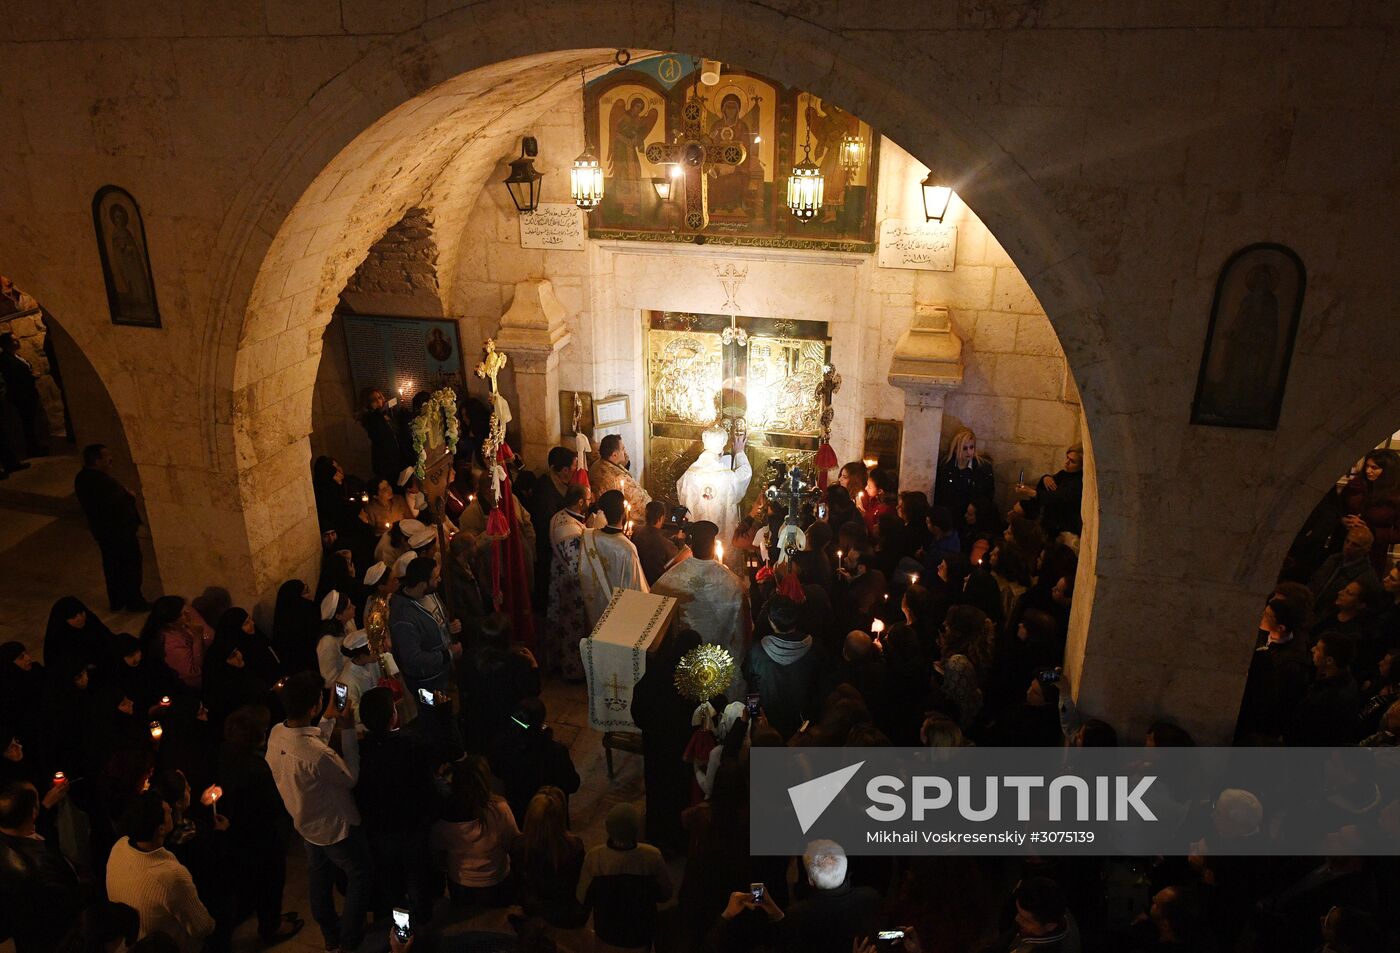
(156, 730)
(877, 627)
(165, 701)
(629, 527)
(870, 463)
(58, 777)
(364, 497)
(627, 505)
(719, 551)
(840, 555)
(913, 579)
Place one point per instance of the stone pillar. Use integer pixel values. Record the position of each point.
(926, 365)
(533, 333)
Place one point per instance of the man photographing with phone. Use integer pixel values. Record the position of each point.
(316, 781)
(836, 918)
(424, 646)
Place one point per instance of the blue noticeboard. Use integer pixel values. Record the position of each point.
(401, 356)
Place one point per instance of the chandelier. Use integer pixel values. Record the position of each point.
(852, 152)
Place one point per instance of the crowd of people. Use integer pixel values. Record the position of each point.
(393, 723)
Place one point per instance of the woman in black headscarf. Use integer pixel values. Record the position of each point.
(21, 695)
(142, 683)
(663, 715)
(296, 623)
(237, 626)
(229, 680)
(75, 632)
(68, 741)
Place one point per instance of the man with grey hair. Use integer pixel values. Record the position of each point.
(836, 912)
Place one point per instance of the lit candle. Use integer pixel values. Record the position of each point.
(364, 497)
(156, 730)
(877, 627)
(629, 527)
(870, 463)
(719, 551)
(914, 579)
(58, 777)
(211, 797)
(165, 701)
(627, 505)
(840, 556)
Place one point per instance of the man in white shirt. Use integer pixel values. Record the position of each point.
(317, 787)
(359, 670)
(142, 874)
(607, 559)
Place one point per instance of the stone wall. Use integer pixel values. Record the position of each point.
(29, 328)
(1018, 393)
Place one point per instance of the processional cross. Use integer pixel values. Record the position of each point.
(695, 154)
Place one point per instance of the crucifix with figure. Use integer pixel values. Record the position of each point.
(695, 154)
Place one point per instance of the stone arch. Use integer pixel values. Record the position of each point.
(287, 258)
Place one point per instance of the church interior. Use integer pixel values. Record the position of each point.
(1071, 320)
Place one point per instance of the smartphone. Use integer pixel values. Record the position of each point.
(752, 703)
(401, 925)
(890, 938)
(756, 891)
(821, 511)
(427, 697)
(342, 694)
(1048, 676)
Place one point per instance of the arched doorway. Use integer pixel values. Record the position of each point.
(46, 550)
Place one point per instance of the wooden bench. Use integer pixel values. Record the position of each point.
(629, 741)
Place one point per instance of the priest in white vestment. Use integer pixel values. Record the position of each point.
(607, 559)
(713, 486)
(712, 599)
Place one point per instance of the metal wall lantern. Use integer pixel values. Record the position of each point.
(523, 183)
(936, 199)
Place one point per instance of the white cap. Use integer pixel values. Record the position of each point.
(357, 639)
(375, 573)
(411, 526)
(329, 605)
(401, 564)
(422, 540)
(405, 476)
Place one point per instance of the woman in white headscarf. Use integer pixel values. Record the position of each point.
(719, 728)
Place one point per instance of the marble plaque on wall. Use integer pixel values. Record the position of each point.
(928, 246)
(554, 226)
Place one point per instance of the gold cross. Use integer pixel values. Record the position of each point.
(493, 364)
(695, 154)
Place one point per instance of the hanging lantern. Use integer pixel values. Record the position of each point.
(523, 183)
(586, 175)
(806, 186)
(852, 152)
(936, 198)
(586, 181)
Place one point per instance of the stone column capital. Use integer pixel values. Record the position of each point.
(533, 328)
(927, 360)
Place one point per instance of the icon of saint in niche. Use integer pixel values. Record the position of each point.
(438, 346)
(128, 265)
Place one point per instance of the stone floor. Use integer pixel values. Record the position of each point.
(46, 552)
